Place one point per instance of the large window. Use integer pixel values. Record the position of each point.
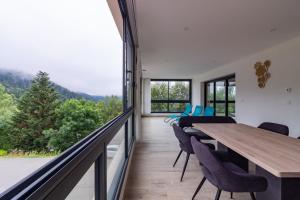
(168, 96)
(66, 86)
(220, 94)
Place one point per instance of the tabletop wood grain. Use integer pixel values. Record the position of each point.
(277, 154)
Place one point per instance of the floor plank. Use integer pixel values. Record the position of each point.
(152, 176)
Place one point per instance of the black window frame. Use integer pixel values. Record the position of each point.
(169, 101)
(215, 101)
(57, 178)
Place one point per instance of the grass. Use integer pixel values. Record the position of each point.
(32, 154)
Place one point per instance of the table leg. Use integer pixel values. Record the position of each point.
(236, 158)
(278, 188)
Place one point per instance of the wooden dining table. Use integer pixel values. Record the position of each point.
(277, 157)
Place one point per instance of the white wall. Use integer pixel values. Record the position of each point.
(146, 96)
(273, 103)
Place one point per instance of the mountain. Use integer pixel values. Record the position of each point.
(17, 82)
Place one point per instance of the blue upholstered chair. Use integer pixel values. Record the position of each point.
(226, 176)
(187, 111)
(197, 111)
(209, 111)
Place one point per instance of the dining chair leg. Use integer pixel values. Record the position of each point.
(185, 164)
(177, 158)
(252, 196)
(218, 194)
(231, 195)
(199, 187)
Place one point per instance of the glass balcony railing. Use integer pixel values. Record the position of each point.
(91, 169)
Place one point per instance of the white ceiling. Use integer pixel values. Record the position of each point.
(217, 32)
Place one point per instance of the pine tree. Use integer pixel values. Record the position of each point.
(36, 113)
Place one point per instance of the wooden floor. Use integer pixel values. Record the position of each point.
(152, 176)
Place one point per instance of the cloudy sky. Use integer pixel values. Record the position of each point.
(75, 41)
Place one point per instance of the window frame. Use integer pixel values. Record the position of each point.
(169, 101)
(215, 101)
(57, 178)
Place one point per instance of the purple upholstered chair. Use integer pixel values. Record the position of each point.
(277, 128)
(187, 122)
(225, 175)
(185, 145)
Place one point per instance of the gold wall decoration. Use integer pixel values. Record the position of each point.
(262, 72)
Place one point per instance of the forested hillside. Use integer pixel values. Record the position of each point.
(40, 121)
(16, 83)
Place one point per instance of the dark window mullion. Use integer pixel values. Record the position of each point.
(215, 95)
(168, 96)
(226, 97)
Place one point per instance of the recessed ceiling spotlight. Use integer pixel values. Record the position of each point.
(186, 28)
(273, 30)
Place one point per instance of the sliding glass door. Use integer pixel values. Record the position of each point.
(220, 94)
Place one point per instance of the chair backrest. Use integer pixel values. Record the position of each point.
(277, 128)
(212, 167)
(225, 178)
(209, 111)
(183, 138)
(188, 109)
(189, 120)
(197, 111)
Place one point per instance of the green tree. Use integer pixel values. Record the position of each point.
(159, 91)
(36, 114)
(75, 120)
(178, 91)
(7, 109)
(110, 108)
(78, 118)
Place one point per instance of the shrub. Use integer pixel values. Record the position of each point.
(3, 152)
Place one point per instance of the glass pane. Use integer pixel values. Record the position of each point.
(129, 66)
(177, 107)
(115, 160)
(231, 89)
(159, 107)
(63, 79)
(210, 91)
(220, 90)
(85, 188)
(210, 103)
(231, 109)
(129, 89)
(179, 90)
(130, 132)
(220, 109)
(159, 90)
